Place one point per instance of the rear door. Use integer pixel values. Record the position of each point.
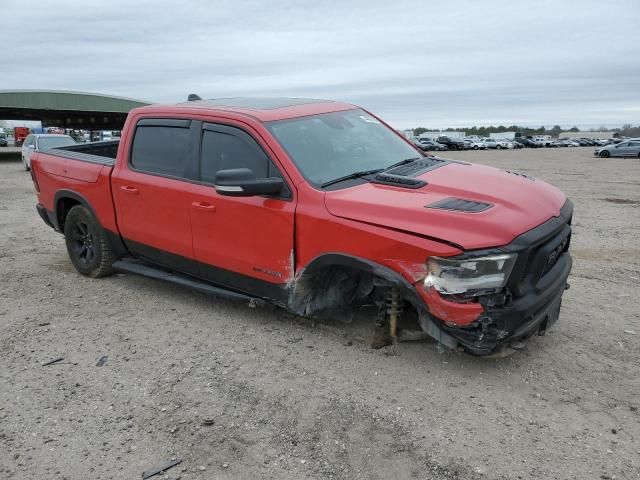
(245, 243)
(150, 190)
(633, 149)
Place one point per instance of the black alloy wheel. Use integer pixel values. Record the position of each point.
(82, 243)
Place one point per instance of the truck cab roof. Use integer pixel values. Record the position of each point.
(264, 109)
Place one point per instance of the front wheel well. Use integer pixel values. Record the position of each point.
(330, 290)
(335, 285)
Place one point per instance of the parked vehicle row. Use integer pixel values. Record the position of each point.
(578, 142)
(532, 141)
(467, 143)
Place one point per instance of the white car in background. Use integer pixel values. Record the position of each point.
(492, 143)
(476, 144)
(543, 140)
(39, 142)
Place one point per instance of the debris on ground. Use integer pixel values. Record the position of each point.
(160, 469)
(52, 362)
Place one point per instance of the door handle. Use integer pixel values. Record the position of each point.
(128, 189)
(204, 206)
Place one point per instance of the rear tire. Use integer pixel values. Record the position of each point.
(87, 244)
(498, 147)
(604, 154)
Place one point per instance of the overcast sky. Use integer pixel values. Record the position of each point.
(423, 63)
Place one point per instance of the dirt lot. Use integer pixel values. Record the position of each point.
(236, 392)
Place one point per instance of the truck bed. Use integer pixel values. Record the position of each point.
(103, 153)
(81, 173)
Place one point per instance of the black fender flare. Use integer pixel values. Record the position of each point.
(359, 263)
(63, 194)
(113, 238)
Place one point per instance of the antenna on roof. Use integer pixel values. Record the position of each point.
(193, 97)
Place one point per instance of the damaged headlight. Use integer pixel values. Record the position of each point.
(458, 276)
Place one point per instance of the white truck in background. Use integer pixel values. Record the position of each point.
(504, 135)
(543, 140)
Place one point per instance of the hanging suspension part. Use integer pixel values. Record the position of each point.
(394, 310)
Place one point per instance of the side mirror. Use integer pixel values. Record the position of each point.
(242, 182)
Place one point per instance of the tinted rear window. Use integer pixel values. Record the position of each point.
(160, 149)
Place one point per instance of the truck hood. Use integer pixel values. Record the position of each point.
(518, 204)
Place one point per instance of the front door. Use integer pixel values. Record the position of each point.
(245, 243)
(151, 193)
(621, 149)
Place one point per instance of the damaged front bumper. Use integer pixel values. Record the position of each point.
(531, 301)
(535, 312)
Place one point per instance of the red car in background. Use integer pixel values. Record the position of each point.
(19, 134)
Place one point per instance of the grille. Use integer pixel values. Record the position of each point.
(539, 251)
(542, 258)
(552, 258)
(460, 205)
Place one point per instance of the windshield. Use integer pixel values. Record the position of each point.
(47, 143)
(331, 145)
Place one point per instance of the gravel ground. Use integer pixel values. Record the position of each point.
(236, 392)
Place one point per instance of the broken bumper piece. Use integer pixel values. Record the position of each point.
(500, 327)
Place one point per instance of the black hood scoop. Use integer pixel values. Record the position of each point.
(418, 167)
(521, 175)
(398, 181)
(404, 175)
(460, 205)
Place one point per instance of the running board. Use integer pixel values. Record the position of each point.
(137, 268)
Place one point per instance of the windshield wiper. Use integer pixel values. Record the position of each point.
(403, 162)
(360, 174)
(364, 173)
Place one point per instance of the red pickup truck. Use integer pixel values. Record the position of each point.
(318, 207)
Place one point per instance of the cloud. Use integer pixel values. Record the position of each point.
(436, 64)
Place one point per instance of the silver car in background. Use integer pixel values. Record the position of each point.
(37, 142)
(628, 148)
